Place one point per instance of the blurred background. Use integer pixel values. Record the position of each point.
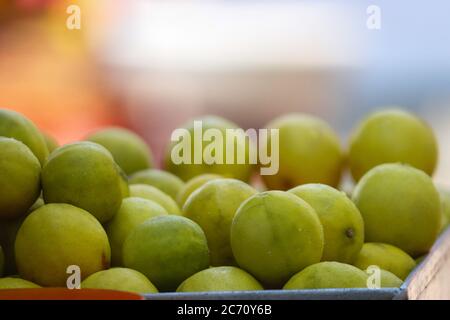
(151, 65)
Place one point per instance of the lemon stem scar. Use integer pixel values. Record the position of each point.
(350, 233)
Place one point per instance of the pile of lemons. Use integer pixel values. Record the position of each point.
(101, 205)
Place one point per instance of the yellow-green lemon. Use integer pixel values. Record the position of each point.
(133, 212)
(163, 180)
(151, 193)
(185, 156)
(445, 208)
(167, 250)
(274, 235)
(400, 206)
(121, 279)
(309, 152)
(129, 150)
(51, 142)
(343, 226)
(326, 275)
(14, 125)
(57, 236)
(220, 279)
(20, 178)
(85, 175)
(389, 280)
(386, 257)
(213, 207)
(392, 135)
(16, 283)
(192, 185)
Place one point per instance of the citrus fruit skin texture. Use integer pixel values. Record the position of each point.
(392, 136)
(14, 125)
(133, 212)
(165, 181)
(389, 280)
(50, 142)
(325, 275)
(309, 152)
(343, 226)
(400, 206)
(20, 178)
(129, 150)
(213, 207)
(275, 235)
(121, 279)
(167, 250)
(192, 185)
(445, 208)
(220, 279)
(2, 261)
(386, 257)
(16, 283)
(85, 175)
(56, 236)
(190, 170)
(151, 193)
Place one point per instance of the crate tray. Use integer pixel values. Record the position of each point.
(430, 280)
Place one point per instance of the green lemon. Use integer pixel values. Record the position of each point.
(14, 125)
(129, 150)
(309, 152)
(56, 236)
(189, 169)
(192, 185)
(213, 207)
(392, 136)
(220, 279)
(20, 180)
(275, 235)
(389, 280)
(16, 283)
(445, 208)
(85, 175)
(165, 181)
(50, 142)
(167, 250)
(400, 206)
(386, 257)
(325, 275)
(343, 226)
(133, 212)
(121, 279)
(151, 193)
